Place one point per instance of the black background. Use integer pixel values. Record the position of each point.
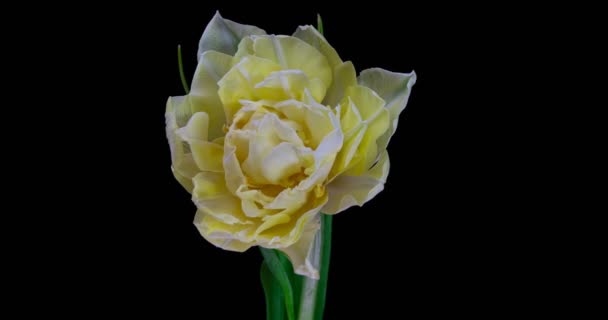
(434, 241)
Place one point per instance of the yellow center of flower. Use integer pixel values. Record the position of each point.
(271, 148)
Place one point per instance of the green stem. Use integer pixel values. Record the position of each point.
(272, 260)
(272, 291)
(312, 302)
(326, 222)
(181, 69)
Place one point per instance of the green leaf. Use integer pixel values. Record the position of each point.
(326, 222)
(319, 24)
(275, 266)
(294, 279)
(181, 69)
(272, 292)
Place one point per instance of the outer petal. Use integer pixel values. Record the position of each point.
(221, 234)
(395, 89)
(224, 35)
(183, 166)
(301, 253)
(344, 77)
(293, 53)
(289, 84)
(311, 36)
(212, 197)
(239, 83)
(344, 160)
(285, 235)
(347, 191)
(362, 108)
(232, 168)
(207, 155)
(204, 96)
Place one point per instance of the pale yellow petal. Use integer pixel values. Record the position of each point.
(285, 235)
(245, 48)
(286, 130)
(184, 177)
(319, 124)
(395, 89)
(367, 101)
(346, 191)
(289, 199)
(224, 35)
(344, 77)
(293, 53)
(260, 145)
(182, 163)
(375, 121)
(204, 96)
(253, 201)
(344, 159)
(288, 84)
(238, 84)
(325, 155)
(311, 36)
(350, 118)
(196, 129)
(272, 221)
(368, 150)
(212, 197)
(224, 235)
(302, 252)
(211, 68)
(209, 185)
(233, 174)
(282, 162)
(207, 155)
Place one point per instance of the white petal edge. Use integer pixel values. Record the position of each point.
(347, 191)
(224, 35)
(303, 254)
(395, 89)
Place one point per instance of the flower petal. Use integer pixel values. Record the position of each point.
(293, 53)
(395, 89)
(238, 84)
(204, 96)
(224, 35)
(367, 101)
(311, 36)
(252, 202)
(281, 162)
(211, 68)
(350, 117)
(375, 120)
(272, 221)
(182, 164)
(344, 77)
(207, 155)
(213, 198)
(223, 235)
(289, 84)
(300, 253)
(197, 128)
(285, 235)
(344, 160)
(232, 168)
(346, 191)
